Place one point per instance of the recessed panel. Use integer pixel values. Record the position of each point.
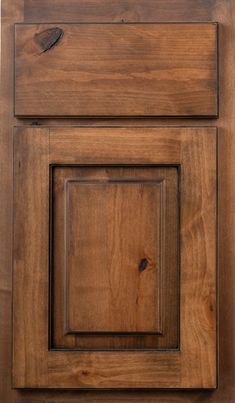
(114, 257)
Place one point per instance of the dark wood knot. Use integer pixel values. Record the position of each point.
(143, 265)
(48, 38)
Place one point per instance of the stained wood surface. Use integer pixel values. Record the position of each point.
(131, 10)
(116, 70)
(194, 364)
(114, 257)
(110, 229)
(121, 11)
(31, 195)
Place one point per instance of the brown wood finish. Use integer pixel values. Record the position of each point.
(194, 364)
(121, 11)
(141, 11)
(114, 257)
(31, 195)
(109, 287)
(116, 70)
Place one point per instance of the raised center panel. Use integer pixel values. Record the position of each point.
(113, 251)
(114, 257)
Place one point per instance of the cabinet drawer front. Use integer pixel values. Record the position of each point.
(116, 69)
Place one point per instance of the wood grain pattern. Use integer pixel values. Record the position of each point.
(66, 149)
(194, 366)
(31, 249)
(117, 70)
(9, 12)
(142, 11)
(120, 248)
(104, 255)
(106, 290)
(120, 10)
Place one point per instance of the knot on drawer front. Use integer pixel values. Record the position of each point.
(48, 38)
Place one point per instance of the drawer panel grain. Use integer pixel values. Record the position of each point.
(128, 69)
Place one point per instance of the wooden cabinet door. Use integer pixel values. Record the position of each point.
(114, 257)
